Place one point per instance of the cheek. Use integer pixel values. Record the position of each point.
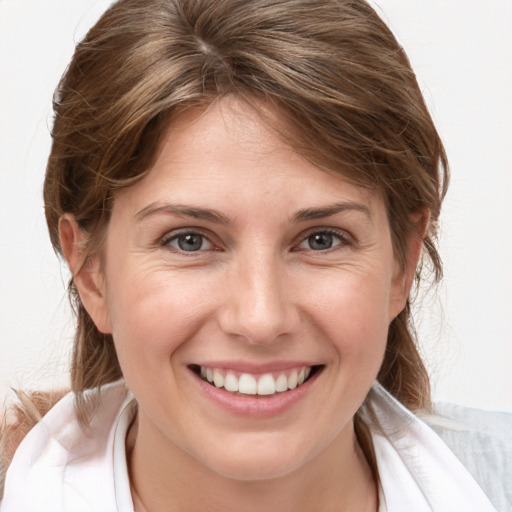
(153, 312)
(352, 313)
(353, 308)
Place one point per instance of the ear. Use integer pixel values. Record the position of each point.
(404, 277)
(86, 272)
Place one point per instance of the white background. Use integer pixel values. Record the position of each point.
(462, 53)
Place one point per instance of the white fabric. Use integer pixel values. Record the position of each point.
(417, 470)
(482, 440)
(59, 469)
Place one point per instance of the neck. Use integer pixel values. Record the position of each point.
(167, 479)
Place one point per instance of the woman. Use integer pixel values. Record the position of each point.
(242, 191)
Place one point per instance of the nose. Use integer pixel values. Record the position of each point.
(258, 307)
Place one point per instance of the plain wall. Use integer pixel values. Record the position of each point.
(461, 51)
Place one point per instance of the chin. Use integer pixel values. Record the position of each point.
(245, 469)
(258, 460)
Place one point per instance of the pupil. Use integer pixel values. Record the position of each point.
(320, 241)
(190, 242)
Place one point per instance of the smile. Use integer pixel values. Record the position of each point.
(266, 384)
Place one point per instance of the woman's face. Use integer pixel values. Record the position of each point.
(237, 261)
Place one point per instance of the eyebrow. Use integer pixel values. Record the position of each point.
(330, 210)
(182, 211)
(219, 218)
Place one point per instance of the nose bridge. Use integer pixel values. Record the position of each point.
(258, 306)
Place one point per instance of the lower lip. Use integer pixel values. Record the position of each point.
(256, 406)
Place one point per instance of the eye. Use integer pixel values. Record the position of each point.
(188, 242)
(324, 240)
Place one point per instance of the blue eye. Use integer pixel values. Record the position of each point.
(323, 241)
(189, 242)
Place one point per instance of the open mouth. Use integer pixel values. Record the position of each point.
(267, 384)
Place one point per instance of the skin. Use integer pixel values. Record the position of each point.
(256, 291)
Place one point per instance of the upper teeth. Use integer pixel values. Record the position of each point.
(248, 384)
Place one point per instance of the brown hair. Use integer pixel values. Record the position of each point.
(333, 70)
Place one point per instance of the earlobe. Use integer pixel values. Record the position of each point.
(404, 277)
(85, 270)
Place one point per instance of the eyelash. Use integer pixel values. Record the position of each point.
(343, 238)
(166, 241)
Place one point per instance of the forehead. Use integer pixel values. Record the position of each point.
(229, 154)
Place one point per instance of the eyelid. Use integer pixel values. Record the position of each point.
(169, 236)
(347, 240)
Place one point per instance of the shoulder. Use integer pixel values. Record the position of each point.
(17, 421)
(65, 461)
(482, 441)
(450, 460)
